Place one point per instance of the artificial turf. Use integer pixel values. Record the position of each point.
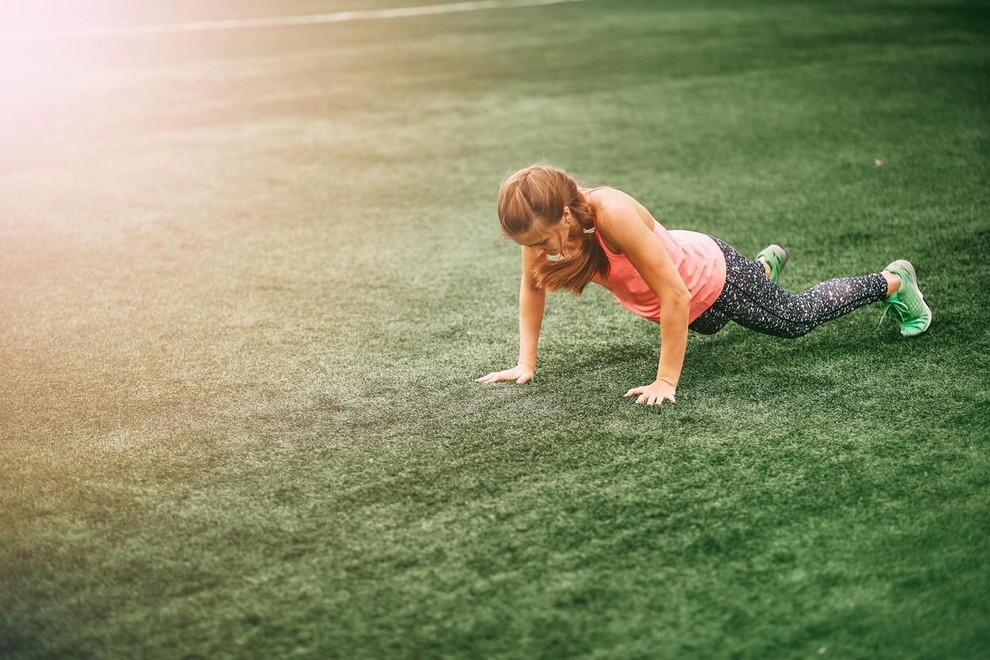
(248, 278)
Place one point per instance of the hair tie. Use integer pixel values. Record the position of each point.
(590, 230)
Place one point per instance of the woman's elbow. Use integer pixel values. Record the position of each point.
(678, 298)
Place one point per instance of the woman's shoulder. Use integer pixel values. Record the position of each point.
(619, 218)
(612, 203)
(613, 206)
(607, 196)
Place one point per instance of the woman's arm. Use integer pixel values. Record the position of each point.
(622, 224)
(532, 300)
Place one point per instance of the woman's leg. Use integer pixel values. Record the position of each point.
(752, 300)
(710, 322)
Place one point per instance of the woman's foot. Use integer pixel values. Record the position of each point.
(774, 258)
(907, 302)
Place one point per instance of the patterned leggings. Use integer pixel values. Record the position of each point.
(752, 300)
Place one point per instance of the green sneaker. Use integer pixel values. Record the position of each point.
(907, 303)
(775, 257)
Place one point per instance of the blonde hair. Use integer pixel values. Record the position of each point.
(539, 193)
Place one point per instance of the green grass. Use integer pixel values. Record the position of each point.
(247, 279)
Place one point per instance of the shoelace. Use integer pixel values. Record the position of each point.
(895, 303)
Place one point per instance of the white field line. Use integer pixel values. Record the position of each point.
(282, 21)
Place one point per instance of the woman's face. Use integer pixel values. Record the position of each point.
(553, 241)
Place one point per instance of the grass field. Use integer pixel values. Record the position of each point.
(247, 278)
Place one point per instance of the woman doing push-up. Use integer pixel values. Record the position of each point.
(572, 236)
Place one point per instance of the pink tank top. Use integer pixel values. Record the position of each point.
(697, 258)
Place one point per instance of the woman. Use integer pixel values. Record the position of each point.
(571, 236)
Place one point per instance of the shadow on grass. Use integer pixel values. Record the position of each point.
(732, 351)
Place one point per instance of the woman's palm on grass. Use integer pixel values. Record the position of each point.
(519, 373)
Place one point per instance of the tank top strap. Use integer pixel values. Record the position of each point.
(608, 253)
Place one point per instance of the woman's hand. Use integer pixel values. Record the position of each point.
(654, 393)
(521, 374)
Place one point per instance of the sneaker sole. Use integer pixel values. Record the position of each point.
(783, 259)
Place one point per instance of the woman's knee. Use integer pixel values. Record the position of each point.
(794, 331)
(708, 326)
(789, 330)
(706, 330)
